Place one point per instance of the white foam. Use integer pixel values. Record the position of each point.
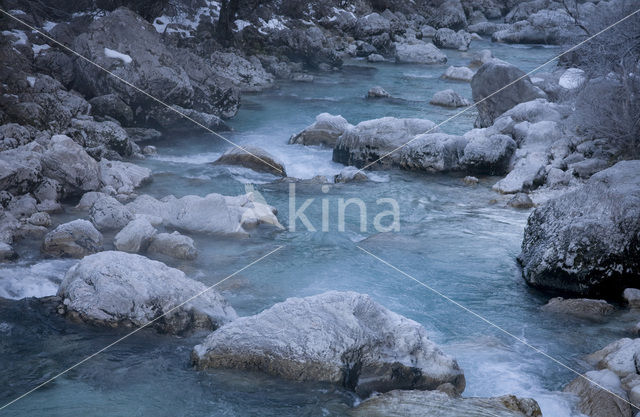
(35, 280)
(110, 53)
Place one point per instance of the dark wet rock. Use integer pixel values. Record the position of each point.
(341, 337)
(583, 307)
(253, 158)
(112, 106)
(586, 241)
(121, 289)
(490, 78)
(245, 74)
(325, 131)
(75, 239)
(372, 139)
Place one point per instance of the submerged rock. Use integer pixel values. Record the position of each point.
(325, 131)
(370, 140)
(253, 158)
(341, 337)
(492, 77)
(449, 98)
(121, 289)
(586, 241)
(377, 92)
(419, 53)
(213, 213)
(578, 307)
(439, 404)
(75, 239)
(174, 245)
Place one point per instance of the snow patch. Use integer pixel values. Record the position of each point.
(272, 24)
(31, 81)
(241, 24)
(110, 53)
(22, 37)
(48, 25)
(39, 48)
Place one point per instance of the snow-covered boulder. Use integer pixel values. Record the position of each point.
(75, 239)
(325, 131)
(341, 337)
(121, 289)
(174, 245)
(449, 98)
(213, 213)
(124, 177)
(458, 73)
(449, 39)
(487, 154)
(378, 92)
(135, 236)
(586, 241)
(433, 152)
(372, 139)
(107, 213)
(70, 165)
(419, 53)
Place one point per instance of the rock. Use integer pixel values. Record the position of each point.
(378, 92)
(6, 252)
(22, 206)
(121, 289)
(107, 213)
(585, 241)
(449, 98)
(149, 150)
(544, 27)
(479, 58)
(325, 131)
(139, 134)
(175, 245)
(67, 162)
(449, 39)
(253, 158)
(246, 74)
(487, 28)
(492, 77)
(375, 58)
(620, 357)
(521, 201)
(458, 74)
(572, 78)
(75, 239)
(632, 297)
(340, 337)
(48, 190)
(372, 139)
(350, 174)
(400, 403)
(135, 236)
(469, 180)
(371, 25)
(586, 168)
(433, 152)
(107, 134)
(557, 178)
(420, 53)
(527, 174)
(596, 402)
(40, 219)
(213, 213)
(583, 307)
(124, 177)
(21, 168)
(302, 78)
(447, 14)
(487, 154)
(427, 31)
(111, 105)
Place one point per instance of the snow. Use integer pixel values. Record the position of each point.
(189, 24)
(22, 37)
(31, 81)
(241, 24)
(272, 24)
(110, 53)
(39, 48)
(48, 25)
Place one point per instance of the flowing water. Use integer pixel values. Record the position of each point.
(451, 237)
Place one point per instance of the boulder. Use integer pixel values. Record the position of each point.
(419, 53)
(121, 289)
(377, 92)
(447, 14)
(487, 154)
(213, 213)
(174, 245)
(135, 236)
(105, 137)
(572, 78)
(586, 241)
(620, 357)
(597, 402)
(371, 25)
(107, 213)
(521, 201)
(21, 168)
(372, 139)
(325, 131)
(458, 74)
(110, 105)
(253, 158)
(583, 307)
(344, 338)
(543, 27)
(75, 239)
(632, 297)
(400, 403)
(350, 174)
(433, 152)
(449, 98)
(527, 174)
(124, 177)
(449, 39)
(375, 58)
(479, 58)
(246, 74)
(492, 77)
(487, 28)
(67, 162)
(6, 252)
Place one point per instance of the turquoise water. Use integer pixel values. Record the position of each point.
(452, 237)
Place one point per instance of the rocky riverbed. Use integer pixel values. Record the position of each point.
(121, 205)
